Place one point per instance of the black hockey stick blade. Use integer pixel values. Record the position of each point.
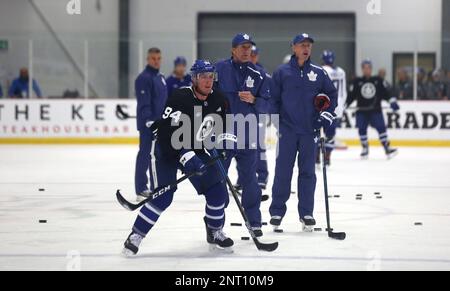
(337, 235)
(264, 198)
(259, 245)
(270, 247)
(159, 191)
(125, 204)
(122, 114)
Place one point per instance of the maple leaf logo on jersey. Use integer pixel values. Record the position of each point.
(250, 83)
(312, 76)
(246, 36)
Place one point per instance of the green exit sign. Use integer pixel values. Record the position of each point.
(4, 45)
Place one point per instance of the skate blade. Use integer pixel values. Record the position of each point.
(307, 228)
(275, 227)
(393, 155)
(126, 253)
(217, 249)
(364, 158)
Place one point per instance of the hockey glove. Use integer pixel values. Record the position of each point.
(324, 120)
(192, 163)
(154, 128)
(394, 104)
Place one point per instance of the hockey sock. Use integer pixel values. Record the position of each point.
(147, 218)
(384, 140)
(215, 206)
(364, 141)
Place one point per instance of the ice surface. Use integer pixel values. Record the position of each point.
(84, 218)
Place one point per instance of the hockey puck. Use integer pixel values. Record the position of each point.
(41, 189)
(42, 221)
(359, 195)
(358, 198)
(317, 229)
(418, 223)
(377, 193)
(245, 238)
(278, 230)
(236, 224)
(379, 197)
(264, 223)
(264, 198)
(337, 196)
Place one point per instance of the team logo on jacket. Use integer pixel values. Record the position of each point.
(368, 90)
(205, 129)
(250, 83)
(312, 76)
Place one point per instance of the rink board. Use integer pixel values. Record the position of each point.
(423, 123)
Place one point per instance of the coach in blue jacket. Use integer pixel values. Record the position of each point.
(297, 85)
(151, 94)
(248, 94)
(179, 78)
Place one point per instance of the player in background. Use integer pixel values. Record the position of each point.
(248, 94)
(262, 170)
(369, 91)
(151, 94)
(337, 76)
(179, 78)
(305, 99)
(190, 157)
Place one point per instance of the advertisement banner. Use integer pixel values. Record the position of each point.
(113, 121)
(68, 119)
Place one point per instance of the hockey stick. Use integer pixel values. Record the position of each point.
(331, 234)
(261, 246)
(368, 108)
(159, 191)
(122, 114)
(264, 197)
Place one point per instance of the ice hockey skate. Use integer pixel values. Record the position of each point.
(131, 245)
(308, 223)
(275, 222)
(217, 240)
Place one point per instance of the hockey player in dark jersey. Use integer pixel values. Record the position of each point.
(369, 91)
(187, 152)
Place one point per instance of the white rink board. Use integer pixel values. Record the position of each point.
(417, 120)
(66, 118)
